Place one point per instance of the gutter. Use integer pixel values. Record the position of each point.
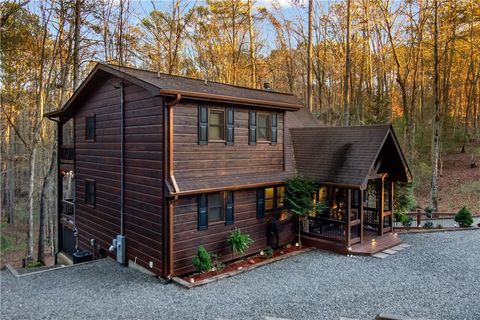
(122, 158)
(229, 99)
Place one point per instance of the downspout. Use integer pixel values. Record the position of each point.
(169, 212)
(122, 158)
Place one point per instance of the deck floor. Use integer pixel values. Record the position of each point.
(367, 248)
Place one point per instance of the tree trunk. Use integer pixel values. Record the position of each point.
(253, 76)
(31, 195)
(346, 85)
(309, 57)
(76, 43)
(436, 116)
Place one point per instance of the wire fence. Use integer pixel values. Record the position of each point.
(436, 220)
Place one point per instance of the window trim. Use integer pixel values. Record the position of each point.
(94, 128)
(268, 129)
(94, 183)
(224, 126)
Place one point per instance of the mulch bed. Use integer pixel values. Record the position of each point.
(238, 266)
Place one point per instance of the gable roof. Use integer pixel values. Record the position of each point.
(170, 85)
(347, 156)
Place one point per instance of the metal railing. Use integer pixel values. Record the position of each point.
(327, 228)
(67, 153)
(67, 207)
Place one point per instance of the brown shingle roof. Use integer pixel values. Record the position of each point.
(170, 85)
(343, 155)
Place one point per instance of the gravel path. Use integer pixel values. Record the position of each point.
(436, 278)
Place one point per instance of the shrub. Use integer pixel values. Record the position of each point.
(404, 219)
(217, 263)
(268, 252)
(404, 198)
(202, 261)
(428, 225)
(464, 217)
(429, 212)
(239, 242)
(34, 264)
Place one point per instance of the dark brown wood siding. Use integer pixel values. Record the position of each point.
(187, 238)
(215, 158)
(100, 161)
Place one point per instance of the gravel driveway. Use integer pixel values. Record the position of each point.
(438, 277)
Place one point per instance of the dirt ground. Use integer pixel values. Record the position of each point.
(459, 185)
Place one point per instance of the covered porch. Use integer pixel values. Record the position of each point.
(356, 169)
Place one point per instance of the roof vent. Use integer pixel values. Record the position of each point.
(267, 86)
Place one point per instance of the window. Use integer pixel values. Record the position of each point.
(90, 192)
(263, 127)
(216, 125)
(216, 128)
(90, 128)
(274, 198)
(215, 207)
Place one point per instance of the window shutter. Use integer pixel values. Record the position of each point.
(202, 212)
(252, 126)
(230, 126)
(273, 138)
(260, 203)
(202, 124)
(229, 211)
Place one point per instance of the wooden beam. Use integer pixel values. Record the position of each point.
(347, 217)
(381, 198)
(361, 215)
(390, 200)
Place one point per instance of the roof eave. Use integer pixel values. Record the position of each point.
(230, 99)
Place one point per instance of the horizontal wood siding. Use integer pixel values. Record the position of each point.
(215, 158)
(187, 238)
(100, 161)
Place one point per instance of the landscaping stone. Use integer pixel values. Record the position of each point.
(389, 251)
(404, 245)
(380, 255)
(398, 248)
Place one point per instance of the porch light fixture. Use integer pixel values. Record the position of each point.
(373, 240)
(297, 244)
(349, 248)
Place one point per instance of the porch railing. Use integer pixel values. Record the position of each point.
(67, 207)
(326, 228)
(370, 218)
(67, 153)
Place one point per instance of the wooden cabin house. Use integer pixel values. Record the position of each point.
(152, 165)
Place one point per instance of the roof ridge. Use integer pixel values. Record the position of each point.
(196, 79)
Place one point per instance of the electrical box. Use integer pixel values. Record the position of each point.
(121, 249)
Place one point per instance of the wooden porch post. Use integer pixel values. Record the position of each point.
(347, 218)
(381, 205)
(360, 205)
(390, 201)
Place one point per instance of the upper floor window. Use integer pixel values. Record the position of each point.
(215, 124)
(216, 128)
(263, 127)
(90, 128)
